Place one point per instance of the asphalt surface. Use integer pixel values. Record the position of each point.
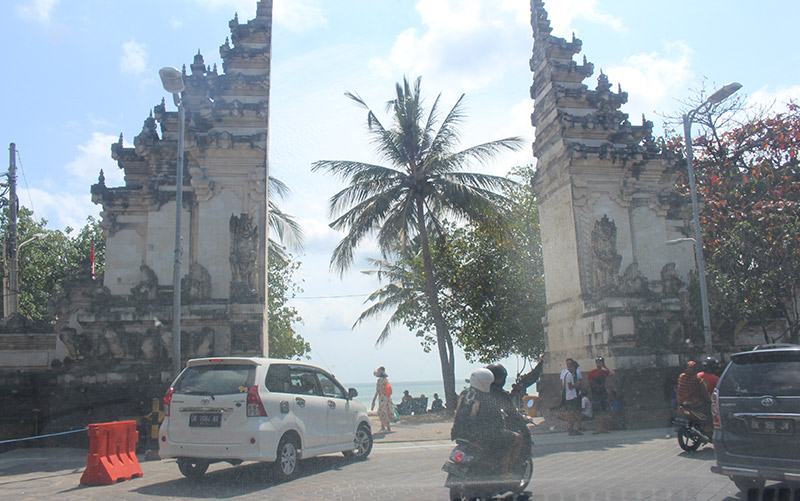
(405, 464)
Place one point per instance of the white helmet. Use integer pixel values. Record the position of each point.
(481, 380)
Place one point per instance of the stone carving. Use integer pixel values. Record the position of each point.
(244, 253)
(633, 283)
(605, 259)
(146, 289)
(670, 281)
(154, 346)
(197, 284)
(202, 343)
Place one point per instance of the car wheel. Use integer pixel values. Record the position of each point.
(744, 484)
(362, 444)
(687, 440)
(192, 468)
(288, 458)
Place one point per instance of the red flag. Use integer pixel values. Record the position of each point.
(91, 259)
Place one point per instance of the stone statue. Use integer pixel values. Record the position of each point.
(671, 282)
(197, 284)
(244, 253)
(605, 259)
(147, 288)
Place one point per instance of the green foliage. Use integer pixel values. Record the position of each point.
(749, 177)
(284, 342)
(490, 282)
(47, 257)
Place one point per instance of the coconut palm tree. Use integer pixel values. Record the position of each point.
(423, 183)
(285, 227)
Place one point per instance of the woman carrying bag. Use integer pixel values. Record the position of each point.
(383, 393)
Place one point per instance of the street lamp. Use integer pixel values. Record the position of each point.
(713, 99)
(172, 81)
(11, 278)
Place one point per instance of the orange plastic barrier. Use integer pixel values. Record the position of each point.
(112, 454)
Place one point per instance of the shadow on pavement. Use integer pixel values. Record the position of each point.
(544, 445)
(230, 481)
(704, 454)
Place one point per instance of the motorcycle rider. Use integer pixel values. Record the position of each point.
(515, 421)
(479, 419)
(692, 393)
(710, 374)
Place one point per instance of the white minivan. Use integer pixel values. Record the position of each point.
(238, 409)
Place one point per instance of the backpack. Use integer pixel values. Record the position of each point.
(467, 408)
(387, 389)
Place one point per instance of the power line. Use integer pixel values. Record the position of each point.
(25, 179)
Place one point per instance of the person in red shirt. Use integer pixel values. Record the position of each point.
(600, 402)
(710, 374)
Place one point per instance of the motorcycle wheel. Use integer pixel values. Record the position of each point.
(688, 441)
(526, 472)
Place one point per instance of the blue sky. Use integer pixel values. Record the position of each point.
(80, 72)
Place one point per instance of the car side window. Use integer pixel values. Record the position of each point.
(329, 387)
(277, 380)
(303, 381)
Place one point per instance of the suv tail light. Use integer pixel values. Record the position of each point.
(254, 406)
(167, 400)
(715, 408)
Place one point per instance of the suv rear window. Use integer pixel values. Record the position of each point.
(215, 380)
(762, 374)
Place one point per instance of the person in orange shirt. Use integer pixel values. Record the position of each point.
(710, 374)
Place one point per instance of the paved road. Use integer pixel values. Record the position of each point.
(631, 465)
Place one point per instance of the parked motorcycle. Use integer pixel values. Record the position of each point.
(694, 428)
(472, 473)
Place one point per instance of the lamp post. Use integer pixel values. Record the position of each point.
(718, 96)
(172, 81)
(11, 278)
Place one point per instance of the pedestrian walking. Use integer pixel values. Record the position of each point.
(383, 394)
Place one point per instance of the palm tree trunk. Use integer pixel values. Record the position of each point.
(443, 340)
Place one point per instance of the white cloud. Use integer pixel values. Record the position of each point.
(776, 100)
(37, 10)
(134, 58)
(60, 209)
(298, 16)
(464, 44)
(94, 155)
(564, 12)
(653, 80)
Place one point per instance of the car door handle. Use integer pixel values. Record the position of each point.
(300, 401)
(331, 404)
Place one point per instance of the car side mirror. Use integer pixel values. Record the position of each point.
(352, 393)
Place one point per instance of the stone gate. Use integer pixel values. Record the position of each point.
(607, 206)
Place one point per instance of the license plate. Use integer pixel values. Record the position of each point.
(205, 420)
(772, 426)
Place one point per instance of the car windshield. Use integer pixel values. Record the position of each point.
(215, 380)
(762, 374)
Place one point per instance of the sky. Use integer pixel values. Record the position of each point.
(80, 72)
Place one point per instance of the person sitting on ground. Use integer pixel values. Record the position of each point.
(437, 405)
(586, 407)
(407, 398)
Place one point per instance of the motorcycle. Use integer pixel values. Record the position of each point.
(472, 473)
(694, 428)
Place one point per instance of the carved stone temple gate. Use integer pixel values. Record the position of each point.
(113, 340)
(607, 205)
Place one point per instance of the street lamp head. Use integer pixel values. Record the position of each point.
(171, 79)
(724, 93)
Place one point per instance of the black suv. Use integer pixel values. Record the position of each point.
(756, 409)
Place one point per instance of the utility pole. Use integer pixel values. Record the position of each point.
(11, 281)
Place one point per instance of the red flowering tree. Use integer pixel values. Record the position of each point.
(749, 180)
